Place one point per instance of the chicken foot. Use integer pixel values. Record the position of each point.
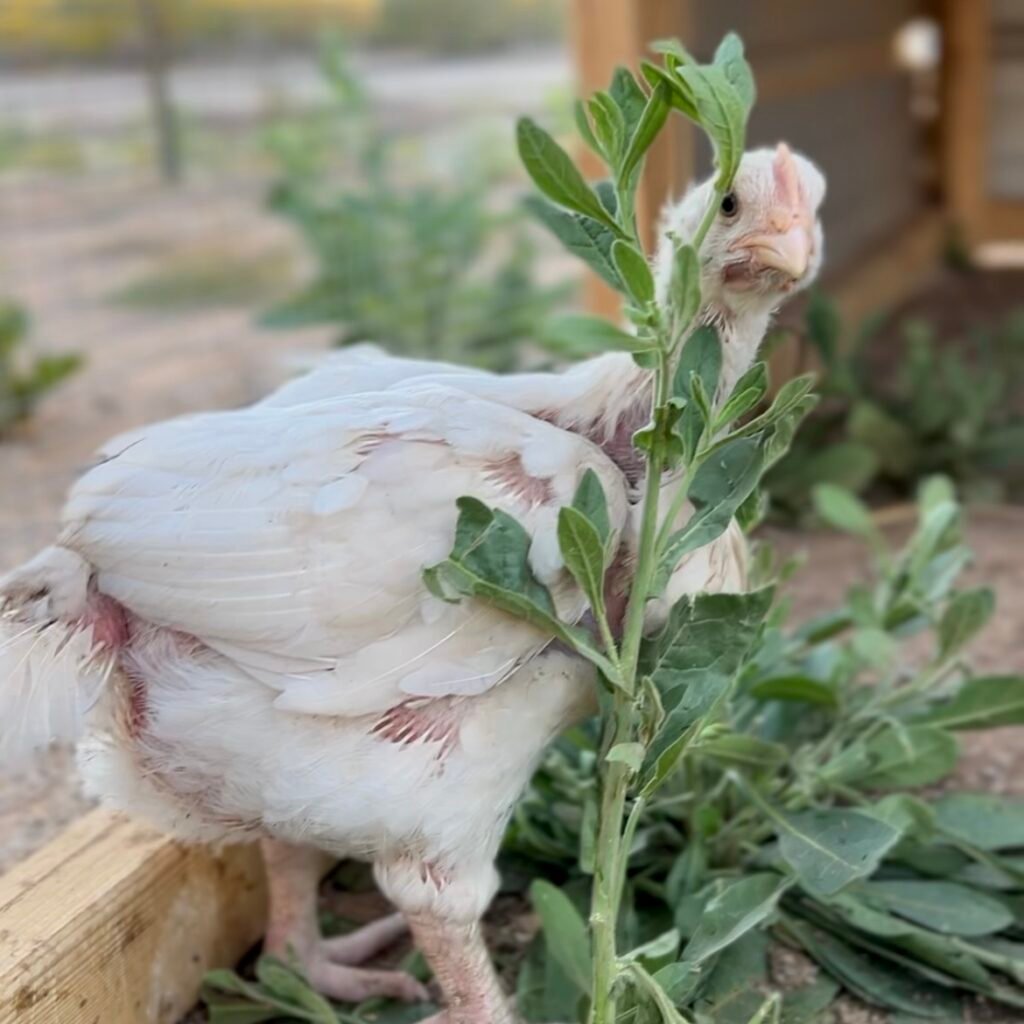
(293, 933)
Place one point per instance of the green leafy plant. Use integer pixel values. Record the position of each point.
(24, 381)
(424, 269)
(950, 409)
(788, 818)
(660, 692)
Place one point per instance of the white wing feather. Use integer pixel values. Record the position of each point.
(292, 539)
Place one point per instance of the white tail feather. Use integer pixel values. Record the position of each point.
(50, 675)
(51, 672)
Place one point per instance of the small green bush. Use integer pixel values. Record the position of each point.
(23, 383)
(424, 269)
(952, 409)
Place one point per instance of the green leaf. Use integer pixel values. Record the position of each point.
(722, 114)
(742, 906)
(736, 981)
(965, 615)
(554, 173)
(795, 687)
(844, 511)
(986, 822)
(749, 390)
(628, 96)
(692, 661)
(577, 335)
(585, 238)
(701, 355)
(583, 553)
(289, 987)
(629, 754)
(830, 849)
(643, 980)
(490, 560)
(872, 980)
(808, 1004)
(916, 755)
(583, 126)
(609, 125)
(730, 58)
(721, 484)
(564, 931)
(650, 123)
(634, 271)
(944, 907)
(685, 300)
(590, 501)
(677, 91)
(745, 751)
(982, 703)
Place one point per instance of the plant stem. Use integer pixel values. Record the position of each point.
(609, 861)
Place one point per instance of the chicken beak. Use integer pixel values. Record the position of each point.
(787, 251)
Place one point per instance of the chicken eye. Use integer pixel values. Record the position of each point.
(730, 205)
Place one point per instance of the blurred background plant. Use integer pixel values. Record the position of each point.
(25, 379)
(434, 269)
(900, 406)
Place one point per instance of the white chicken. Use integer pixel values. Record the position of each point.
(234, 611)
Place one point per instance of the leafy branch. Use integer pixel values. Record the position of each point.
(661, 688)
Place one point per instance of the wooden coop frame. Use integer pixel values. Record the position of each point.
(114, 924)
(971, 33)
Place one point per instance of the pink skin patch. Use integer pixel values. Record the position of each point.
(109, 621)
(511, 476)
(421, 721)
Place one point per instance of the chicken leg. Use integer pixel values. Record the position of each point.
(443, 903)
(293, 933)
(463, 969)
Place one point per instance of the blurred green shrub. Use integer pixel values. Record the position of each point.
(949, 408)
(23, 382)
(462, 26)
(429, 269)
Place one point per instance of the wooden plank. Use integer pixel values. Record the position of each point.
(607, 33)
(113, 923)
(965, 129)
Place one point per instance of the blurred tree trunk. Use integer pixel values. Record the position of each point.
(156, 60)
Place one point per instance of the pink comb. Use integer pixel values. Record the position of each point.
(787, 178)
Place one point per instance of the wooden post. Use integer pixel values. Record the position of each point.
(113, 923)
(966, 66)
(607, 33)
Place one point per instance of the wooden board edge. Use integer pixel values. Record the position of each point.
(113, 922)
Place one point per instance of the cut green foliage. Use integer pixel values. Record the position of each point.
(791, 774)
(430, 269)
(24, 380)
(947, 408)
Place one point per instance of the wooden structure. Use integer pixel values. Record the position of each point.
(984, 130)
(113, 923)
(830, 83)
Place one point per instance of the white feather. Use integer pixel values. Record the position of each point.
(50, 676)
